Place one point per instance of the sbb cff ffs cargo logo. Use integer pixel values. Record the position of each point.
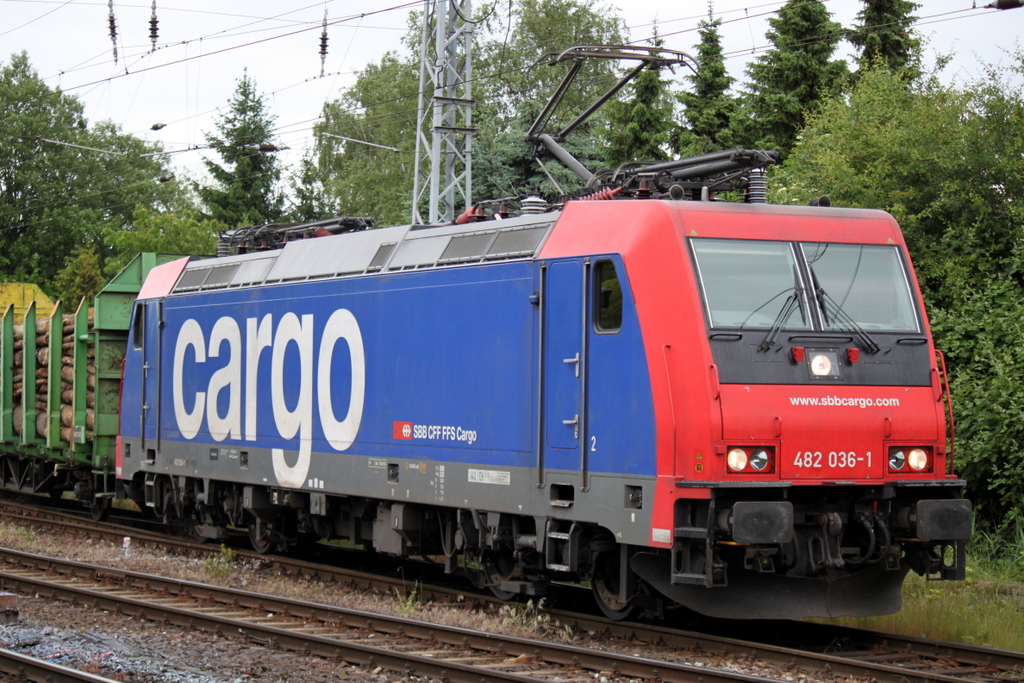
(402, 430)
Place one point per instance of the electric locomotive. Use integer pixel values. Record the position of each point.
(736, 408)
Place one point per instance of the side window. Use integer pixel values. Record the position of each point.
(139, 325)
(607, 298)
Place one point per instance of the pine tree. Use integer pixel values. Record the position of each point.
(707, 108)
(246, 194)
(884, 31)
(789, 80)
(638, 130)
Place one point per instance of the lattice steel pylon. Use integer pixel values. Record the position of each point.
(444, 133)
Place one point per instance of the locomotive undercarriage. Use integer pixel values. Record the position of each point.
(846, 555)
(508, 554)
(745, 553)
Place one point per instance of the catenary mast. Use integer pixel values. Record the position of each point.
(444, 135)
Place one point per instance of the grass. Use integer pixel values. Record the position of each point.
(986, 609)
(221, 565)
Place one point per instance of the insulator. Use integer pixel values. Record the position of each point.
(154, 32)
(323, 45)
(757, 189)
(112, 24)
(605, 193)
(532, 205)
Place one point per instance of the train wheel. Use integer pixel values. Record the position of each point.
(260, 537)
(499, 567)
(100, 509)
(605, 586)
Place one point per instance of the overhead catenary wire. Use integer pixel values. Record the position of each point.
(411, 114)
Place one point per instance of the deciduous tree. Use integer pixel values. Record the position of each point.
(55, 197)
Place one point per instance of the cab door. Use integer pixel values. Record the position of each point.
(564, 366)
(151, 328)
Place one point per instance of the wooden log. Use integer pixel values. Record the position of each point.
(67, 347)
(19, 332)
(90, 381)
(19, 344)
(42, 372)
(67, 396)
(43, 355)
(17, 414)
(40, 385)
(90, 399)
(67, 416)
(42, 325)
(42, 340)
(19, 359)
(67, 360)
(67, 373)
(65, 434)
(41, 423)
(90, 419)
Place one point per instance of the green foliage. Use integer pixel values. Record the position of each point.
(788, 81)
(885, 32)
(380, 108)
(220, 566)
(515, 40)
(638, 129)
(246, 182)
(164, 233)
(81, 277)
(505, 165)
(707, 107)
(948, 162)
(309, 201)
(54, 198)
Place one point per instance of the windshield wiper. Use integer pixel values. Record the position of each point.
(840, 319)
(791, 304)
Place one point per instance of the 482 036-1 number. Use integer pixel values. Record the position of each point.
(834, 459)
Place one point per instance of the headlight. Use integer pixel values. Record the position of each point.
(759, 460)
(918, 459)
(737, 459)
(750, 459)
(897, 459)
(821, 365)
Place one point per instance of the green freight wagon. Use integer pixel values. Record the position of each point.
(60, 379)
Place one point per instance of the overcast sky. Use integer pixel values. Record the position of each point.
(203, 46)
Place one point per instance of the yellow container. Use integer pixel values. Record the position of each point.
(21, 295)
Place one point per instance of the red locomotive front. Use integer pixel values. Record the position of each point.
(803, 458)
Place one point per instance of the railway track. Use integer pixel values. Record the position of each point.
(21, 668)
(824, 648)
(398, 644)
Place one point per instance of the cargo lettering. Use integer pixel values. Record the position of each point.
(314, 374)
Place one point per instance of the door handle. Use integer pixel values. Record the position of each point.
(575, 422)
(575, 360)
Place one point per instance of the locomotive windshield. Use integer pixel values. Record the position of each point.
(867, 282)
(750, 284)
